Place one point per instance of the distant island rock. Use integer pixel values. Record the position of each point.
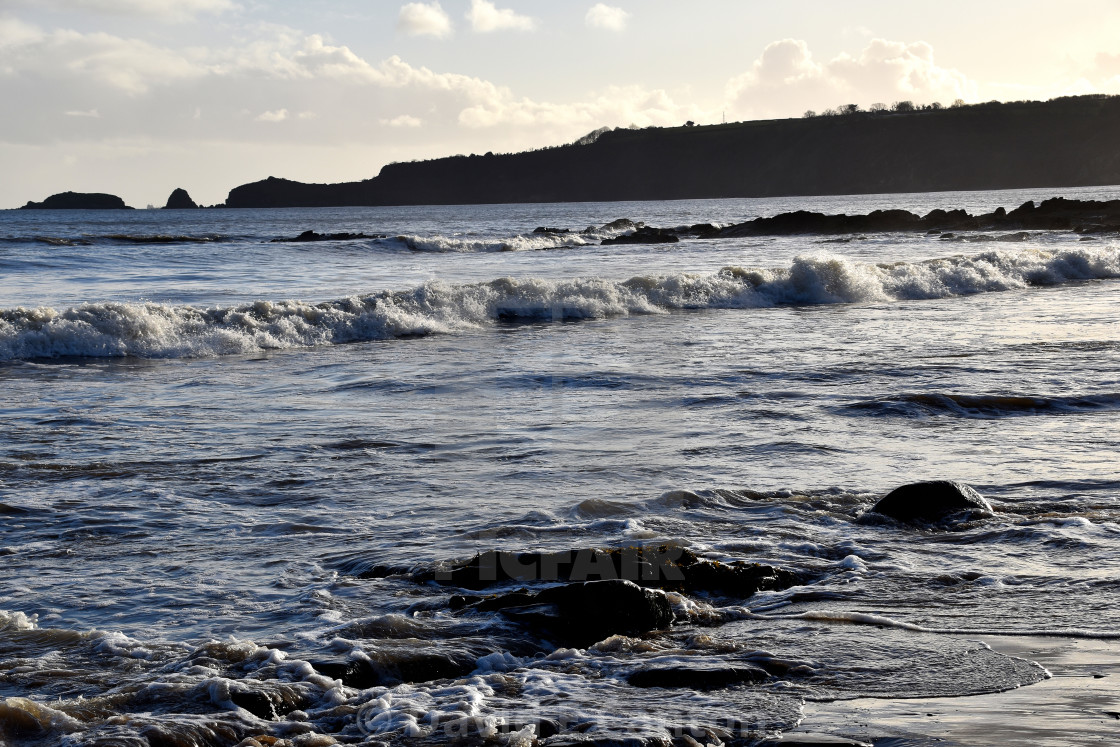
(79, 201)
(180, 200)
(1065, 142)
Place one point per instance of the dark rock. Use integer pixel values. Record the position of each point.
(703, 230)
(949, 220)
(1052, 215)
(656, 566)
(546, 229)
(805, 222)
(621, 224)
(180, 200)
(313, 236)
(585, 613)
(79, 201)
(712, 678)
(256, 702)
(933, 501)
(644, 235)
(389, 668)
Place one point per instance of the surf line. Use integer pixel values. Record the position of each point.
(863, 618)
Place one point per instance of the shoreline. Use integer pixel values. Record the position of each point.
(1079, 705)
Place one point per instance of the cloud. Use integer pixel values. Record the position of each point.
(485, 17)
(404, 120)
(787, 80)
(602, 16)
(16, 33)
(332, 96)
(423, 19)
(168, 10)
(1106, 65)
(614, 106)
(129, 65)
(90, 113)
(278, 115)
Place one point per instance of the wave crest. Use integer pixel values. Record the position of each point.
(164, 331)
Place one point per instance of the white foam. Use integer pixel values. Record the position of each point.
(162, 331)
(18, 621)
(863, 618)
(522, 243)
(118, 644)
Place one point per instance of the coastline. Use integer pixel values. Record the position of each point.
(1079, 705)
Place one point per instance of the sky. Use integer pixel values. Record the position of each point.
(138, 97)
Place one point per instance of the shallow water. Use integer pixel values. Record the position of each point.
(209, 445)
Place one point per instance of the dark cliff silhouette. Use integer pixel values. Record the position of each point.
(78, 201)
(180, 199)
(1061, 143)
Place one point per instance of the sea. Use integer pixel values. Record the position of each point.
(230, 465)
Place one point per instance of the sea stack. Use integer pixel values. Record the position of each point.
(180, 200)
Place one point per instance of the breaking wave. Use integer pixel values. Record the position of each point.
(164, 331)
(522, 243)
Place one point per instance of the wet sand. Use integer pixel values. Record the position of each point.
(1079, 705)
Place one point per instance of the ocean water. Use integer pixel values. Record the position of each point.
(222, 458)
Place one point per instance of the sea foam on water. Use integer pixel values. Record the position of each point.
(154, 330)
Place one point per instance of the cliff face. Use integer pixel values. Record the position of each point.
(1062, 143)
(78, 201)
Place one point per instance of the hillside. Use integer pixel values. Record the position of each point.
(1060, 143)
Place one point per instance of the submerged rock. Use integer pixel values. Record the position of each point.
(667, 567)
(698, 678)
(315, 236)
(933, 501)
(387, 669)
(586, 613)
(644, 235)
(621, 224)
(180, 200)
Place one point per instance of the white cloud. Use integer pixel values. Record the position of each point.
(90, 113)
(336, 96)
(424, 19)
(602, 16)
(404, 120)
(129, 65)
(615, 106)
(485, 16)
(277, 115)
(15, 33)
(787, 80)
(169, 10)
